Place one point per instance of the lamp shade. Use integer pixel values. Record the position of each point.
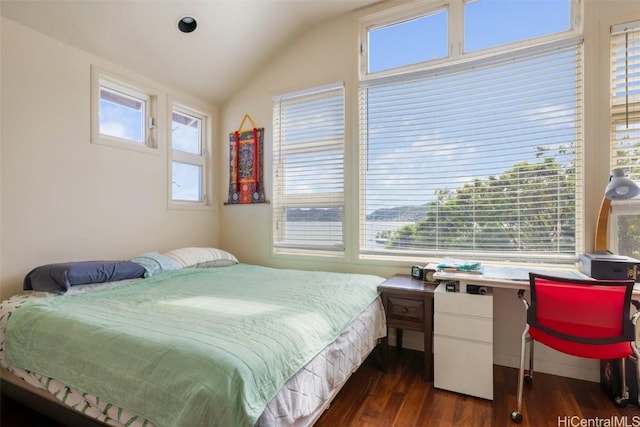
(620, 187)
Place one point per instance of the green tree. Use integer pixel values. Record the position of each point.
(482, 215)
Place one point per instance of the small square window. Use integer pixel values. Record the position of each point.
(122, 112)
(121, 115)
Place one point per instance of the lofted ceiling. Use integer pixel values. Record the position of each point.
(232, 40)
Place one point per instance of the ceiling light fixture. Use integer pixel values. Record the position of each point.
(187, 24)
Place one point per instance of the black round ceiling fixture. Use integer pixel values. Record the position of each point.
(187, 24)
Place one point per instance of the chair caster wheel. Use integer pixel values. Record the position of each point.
(516, 417)
(528, 379)
(621, 402)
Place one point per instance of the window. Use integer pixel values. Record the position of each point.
(476, 156)
(308, 171)
(625, 132)
(415, 35)
(625, 223)
(188, 155)
(482, 30)
(123, 113)
(403, 43)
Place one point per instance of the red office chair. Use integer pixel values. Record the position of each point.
(586, 318)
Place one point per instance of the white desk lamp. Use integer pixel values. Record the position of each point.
(619, 188)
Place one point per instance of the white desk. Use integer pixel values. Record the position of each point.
(473, 328)
(511, 277)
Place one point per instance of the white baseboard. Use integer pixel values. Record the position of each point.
(546, 360)
(578, 368)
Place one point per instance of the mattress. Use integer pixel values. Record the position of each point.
(300, 401)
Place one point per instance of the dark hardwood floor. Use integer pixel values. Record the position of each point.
(400, 397)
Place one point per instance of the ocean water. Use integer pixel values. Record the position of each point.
(331, 232)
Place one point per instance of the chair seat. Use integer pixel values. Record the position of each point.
(592, 351)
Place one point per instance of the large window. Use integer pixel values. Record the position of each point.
(308, 171)
(625, 132)
(478, 154)
(188, 155)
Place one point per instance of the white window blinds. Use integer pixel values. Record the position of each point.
(625, 98)
(478, 160)
(308, 158)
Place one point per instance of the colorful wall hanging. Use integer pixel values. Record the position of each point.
(246, 164)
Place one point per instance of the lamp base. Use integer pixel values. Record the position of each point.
(602, 252)
(600, 241)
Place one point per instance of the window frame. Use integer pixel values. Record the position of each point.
(203, 159)
(147, 94)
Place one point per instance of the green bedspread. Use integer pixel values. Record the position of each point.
(194, 347)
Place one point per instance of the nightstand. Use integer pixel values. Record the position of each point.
(408, 304)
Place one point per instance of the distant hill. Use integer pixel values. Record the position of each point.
(399, 213)
(327, 215)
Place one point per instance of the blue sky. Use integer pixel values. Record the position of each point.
(120, 121)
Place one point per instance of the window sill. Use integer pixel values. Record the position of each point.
(133, 146)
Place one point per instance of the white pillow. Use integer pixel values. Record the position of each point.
(202, 257)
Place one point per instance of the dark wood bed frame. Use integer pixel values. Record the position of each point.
(40, 400)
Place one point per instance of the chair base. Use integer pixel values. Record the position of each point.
(611, 380)
(516, 417)
(621, 401)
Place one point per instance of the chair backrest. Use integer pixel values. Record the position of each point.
(582, 311)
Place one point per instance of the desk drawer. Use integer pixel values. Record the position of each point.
(469, 328)
(463, 366)
(463, 303)
(405, 309)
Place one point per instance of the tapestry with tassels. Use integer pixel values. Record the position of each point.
(246, 165)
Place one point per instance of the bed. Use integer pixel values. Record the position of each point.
(206, 342)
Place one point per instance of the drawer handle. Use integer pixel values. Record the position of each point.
(405, 309)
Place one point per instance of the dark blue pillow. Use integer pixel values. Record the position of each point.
(60, 277)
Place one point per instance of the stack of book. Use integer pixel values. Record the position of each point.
(460, 265)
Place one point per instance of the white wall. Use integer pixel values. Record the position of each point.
(327, 54)
(64, 198)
